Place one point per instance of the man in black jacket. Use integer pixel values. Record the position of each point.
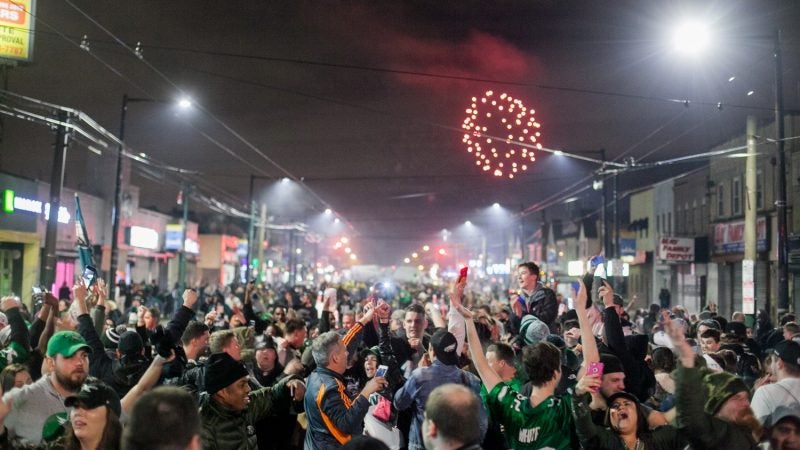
(534, 298)
(121, 371)
(631, 350)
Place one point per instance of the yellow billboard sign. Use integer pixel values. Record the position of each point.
(16, 29)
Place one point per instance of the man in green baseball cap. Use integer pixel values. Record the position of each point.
(67, 363)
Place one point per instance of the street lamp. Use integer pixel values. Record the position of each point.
(111, 277)
(700, 41)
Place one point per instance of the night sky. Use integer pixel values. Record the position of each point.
(364, 101)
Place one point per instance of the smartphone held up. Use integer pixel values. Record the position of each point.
(89, 276)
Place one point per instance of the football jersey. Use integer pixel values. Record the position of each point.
(547, 426)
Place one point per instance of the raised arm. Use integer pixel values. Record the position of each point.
(455, 321)
(489, 377)
(19, 331)
(146, 382)
(436, 315)
(99, 314)
(590, 352)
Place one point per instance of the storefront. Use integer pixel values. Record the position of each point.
(218, 262)
(728, 253)
(19, 241)
(685, 260)
(141, 245)
(172, 244)
(93, 210)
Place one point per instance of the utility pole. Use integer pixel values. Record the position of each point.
(780, 198)
(292, 267)
(111, 276)
(48, 274)
(250, 229)
(750, 243)
(260, 241)
(187, 191)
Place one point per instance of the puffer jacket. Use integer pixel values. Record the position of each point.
(224, 429)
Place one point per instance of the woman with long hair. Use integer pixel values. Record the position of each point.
(93, 421)
(626, 424)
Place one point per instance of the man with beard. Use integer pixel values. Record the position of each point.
(31, 406)
(721, 418)
(785, 391)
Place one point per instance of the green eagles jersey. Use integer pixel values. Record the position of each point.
(547, 426)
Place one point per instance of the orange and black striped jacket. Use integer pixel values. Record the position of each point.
(333, 417)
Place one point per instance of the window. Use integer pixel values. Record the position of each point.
(678, 219)
(669, 223)
(720, 199)
(736, 196)
(759, 189)
(658, 224)
(690, 219)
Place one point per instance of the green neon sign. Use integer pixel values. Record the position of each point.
(8, 201)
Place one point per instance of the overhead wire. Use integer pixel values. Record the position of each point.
(206, 111)
(117, 72)
(424, 74)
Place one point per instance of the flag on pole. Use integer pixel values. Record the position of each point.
(82, 237)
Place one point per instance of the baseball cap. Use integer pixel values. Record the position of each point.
(93, 394)
(736, 329)
(66, 344)
(570, 317)
(444, 346)
(788, 351)
(782, 412)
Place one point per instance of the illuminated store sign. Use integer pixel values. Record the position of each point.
(144, 238)
(11, 203)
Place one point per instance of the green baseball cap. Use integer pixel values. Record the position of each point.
(66, 343)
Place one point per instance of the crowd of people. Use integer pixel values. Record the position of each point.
(357, 367)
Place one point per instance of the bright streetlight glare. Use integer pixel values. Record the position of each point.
(185, 103)
(328, 211)
(691, 37)
(558, 153)
(425, 248)
(495, 205)
(468, 223)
